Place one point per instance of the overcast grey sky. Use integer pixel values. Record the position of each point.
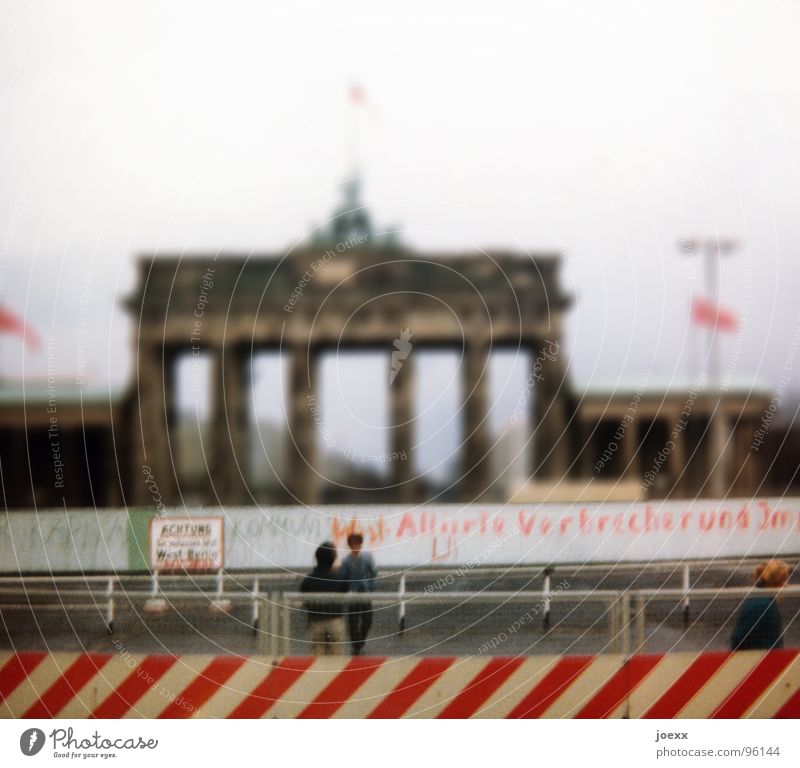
(606, 130)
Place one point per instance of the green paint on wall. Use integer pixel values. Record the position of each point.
(138, 543)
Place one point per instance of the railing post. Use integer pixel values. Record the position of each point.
(613, 621)
(686, 586)
(155, 604)
(641, 607)
(274, 629)
(546, 598)
(256, 604)
(265, 628)
(625, 640)
(219, 604)
(287, 629)
(401, 618)
(110, 607)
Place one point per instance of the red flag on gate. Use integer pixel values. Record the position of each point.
(357, 94)
(706, 313)
(10, 323)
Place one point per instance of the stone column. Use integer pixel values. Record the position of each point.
(114, 465)
(229, 425)
(401, 398)
(550, 441)
(304, 414)
(153, 404)
(718, 454)
(738, 460)
(475, 465)
(678, 462)
(753, 475)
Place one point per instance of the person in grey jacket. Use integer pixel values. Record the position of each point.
(359, 571)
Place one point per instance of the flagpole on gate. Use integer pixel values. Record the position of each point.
(355, 99)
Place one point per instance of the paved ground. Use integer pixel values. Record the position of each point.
(450, 627)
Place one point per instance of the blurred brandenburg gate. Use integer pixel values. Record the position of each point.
(346, 290)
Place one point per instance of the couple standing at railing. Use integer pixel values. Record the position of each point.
(357, 575)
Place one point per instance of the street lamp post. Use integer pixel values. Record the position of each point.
(712, 249)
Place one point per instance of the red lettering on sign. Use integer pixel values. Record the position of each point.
(743, 518)
(764, 507)
(342, 532)
(374, 532)
(407, 525)
(779, 519)
(526, 524)
(707, 520)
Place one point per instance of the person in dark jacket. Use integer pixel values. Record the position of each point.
(359, 570)
(325, 618)
(758, 625)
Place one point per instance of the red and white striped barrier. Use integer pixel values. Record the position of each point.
(102, 685)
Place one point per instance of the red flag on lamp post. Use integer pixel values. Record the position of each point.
(705, 312)
(358, 99)
(10, 323)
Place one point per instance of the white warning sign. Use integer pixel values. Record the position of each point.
(186, 543)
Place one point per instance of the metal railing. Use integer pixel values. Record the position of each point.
(289, 603)
(626, 610)
(272, 605)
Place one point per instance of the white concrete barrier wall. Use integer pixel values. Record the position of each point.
(60, 540)
(400, 536)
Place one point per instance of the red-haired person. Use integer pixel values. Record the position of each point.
(758, 625)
